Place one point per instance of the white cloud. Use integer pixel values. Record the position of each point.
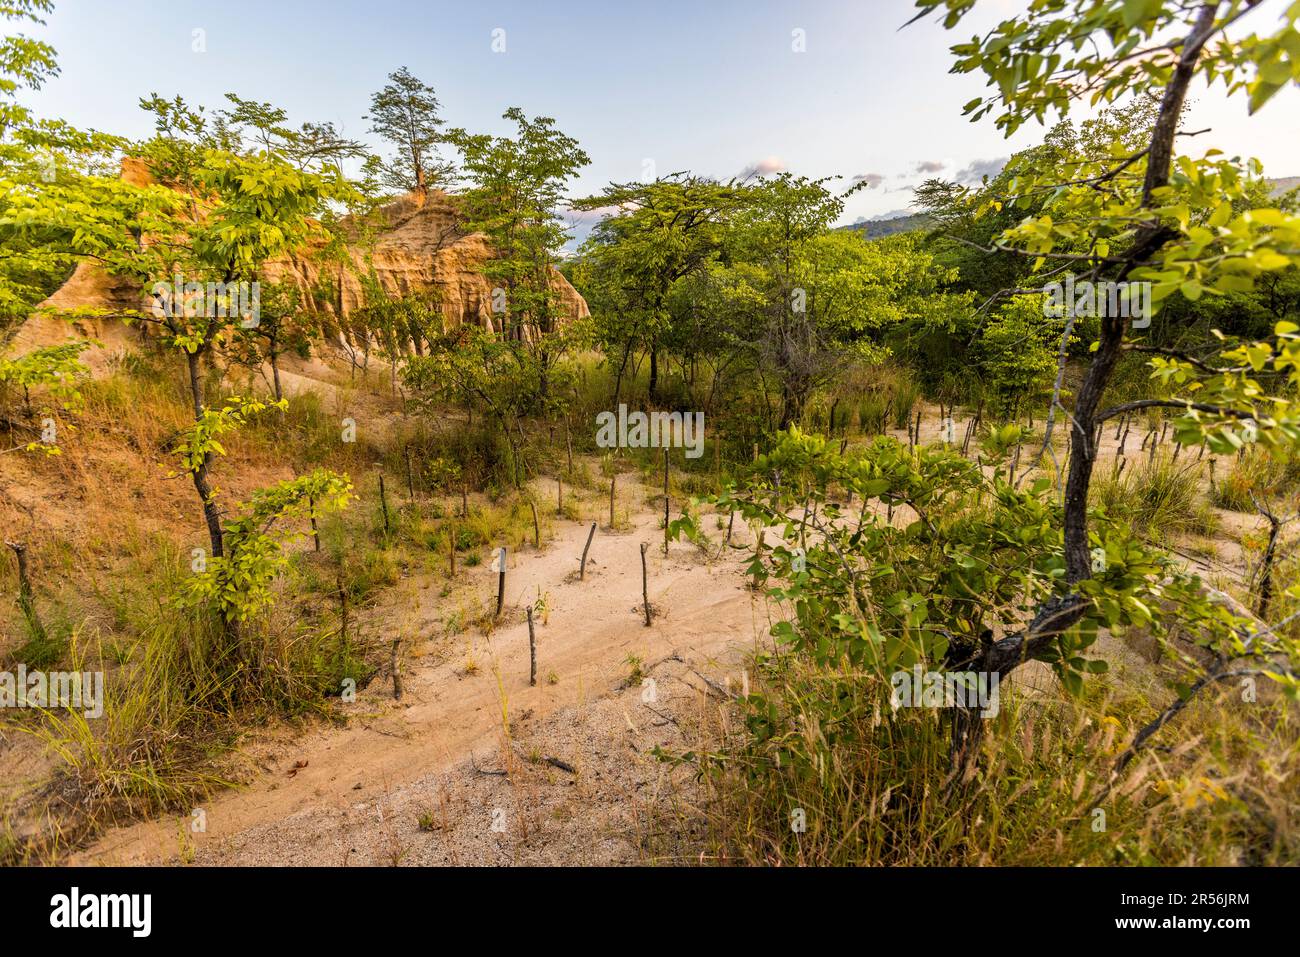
(764, 167)
(978, 169)
(873, 180)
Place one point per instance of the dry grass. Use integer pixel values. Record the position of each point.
(1219, 788)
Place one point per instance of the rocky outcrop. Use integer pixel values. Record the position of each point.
(412, 245)
(418, 247)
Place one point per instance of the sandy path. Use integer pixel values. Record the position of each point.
(706, 621)
(360, 789)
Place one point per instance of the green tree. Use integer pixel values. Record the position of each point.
(283, 326)
(253, 207)
(517, 186)
(405, 114)
(828, 298)
(46, 166)
(1129, 216)
(56, 371)
(222, 213)
(1017, 353)
(654, 236)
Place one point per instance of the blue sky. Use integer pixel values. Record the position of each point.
(712, 86)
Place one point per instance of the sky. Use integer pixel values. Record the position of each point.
(646, 86)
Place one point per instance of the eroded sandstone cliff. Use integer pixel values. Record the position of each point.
(415, 244)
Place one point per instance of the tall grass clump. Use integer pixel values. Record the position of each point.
(1160, 498)
(178, 704)
(873, 413)
(906, 394)
(884, 396)
(1253, 473)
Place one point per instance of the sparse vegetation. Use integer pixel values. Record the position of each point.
(922, 459)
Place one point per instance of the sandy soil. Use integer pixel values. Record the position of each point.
(467, 748)
(474, 765)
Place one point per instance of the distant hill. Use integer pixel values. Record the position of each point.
(1282, 184)
(888, 225)
(892, 223)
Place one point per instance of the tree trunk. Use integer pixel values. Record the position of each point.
(275, 373)
(26, 601)
(622, 367)
(192, 360)
(792, 401)
(211, 514)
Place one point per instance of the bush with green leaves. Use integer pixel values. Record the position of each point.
(54, 370)
(238, 584)
(939, 561)
(1017, 353)
(939, 558)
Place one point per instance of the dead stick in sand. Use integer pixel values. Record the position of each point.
(645, 588)
(397, 670)
(582, 568)
(537, 528)
(501, 581)
(726, 693)
(665, 501)
(532, 649)
(343, 612)
(26, 600)
(492, 771)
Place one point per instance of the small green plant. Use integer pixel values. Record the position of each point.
(542, 606)
(456, 622)
(635, 669)
(118, 652)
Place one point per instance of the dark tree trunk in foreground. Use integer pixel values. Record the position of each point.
(1062, 613)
